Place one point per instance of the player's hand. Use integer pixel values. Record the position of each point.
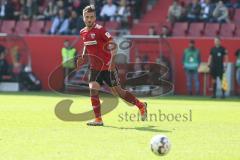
(111, 67)
(80, 61)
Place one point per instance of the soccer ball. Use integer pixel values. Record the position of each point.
(160, 145)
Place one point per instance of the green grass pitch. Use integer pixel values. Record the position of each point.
(29, 130)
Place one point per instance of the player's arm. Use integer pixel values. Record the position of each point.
(84, 52)
(209, 60)
(81, 58)
(110, 46)
(113, 51)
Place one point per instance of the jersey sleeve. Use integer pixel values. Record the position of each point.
(105, 35)
(81, 32)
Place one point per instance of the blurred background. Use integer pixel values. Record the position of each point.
(39, 41)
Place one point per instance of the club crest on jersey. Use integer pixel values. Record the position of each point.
(93, 35)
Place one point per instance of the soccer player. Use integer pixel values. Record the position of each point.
(218, 56)
(102, 67)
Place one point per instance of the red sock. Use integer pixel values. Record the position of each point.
(96, 106)
(129, 97)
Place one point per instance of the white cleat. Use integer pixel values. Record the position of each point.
(95, 123)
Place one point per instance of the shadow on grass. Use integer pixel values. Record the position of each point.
(147, 129)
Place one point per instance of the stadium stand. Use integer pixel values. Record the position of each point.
(40, 23)
(237, 16)
(227, 30)
(196, 29)
(142, 28)
(112, 27)
(211, 29)
(47, 26)
(22, 27)
(154, 15)
(180, 29)
(237, 32)
(37, 27)
(8, 26)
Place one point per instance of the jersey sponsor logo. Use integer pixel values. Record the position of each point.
(108, 35)
(93, 35)
(89, 43)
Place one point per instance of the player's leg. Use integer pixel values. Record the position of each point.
(130, 98)
(238, 80)
(213, 74)
(223, 91)
(112, 79)
(189, 82)
(94, 87)
(214, 83)
(196, 82)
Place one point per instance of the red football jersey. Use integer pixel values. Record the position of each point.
(96, 43)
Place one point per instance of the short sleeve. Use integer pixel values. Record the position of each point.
(105, 35)
(81, 32)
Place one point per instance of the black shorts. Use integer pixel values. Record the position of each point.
(216, 73)
(109, 77)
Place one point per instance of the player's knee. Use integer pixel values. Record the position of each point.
(94, 88)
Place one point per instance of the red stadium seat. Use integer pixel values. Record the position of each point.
(142, 28)
(196, 29)
(8, 26)
(236, 18)
(111, 25)
(22, 27)
(227, 30)
(37, 27)
(237, 31)
(180, 29)
(231, 12)
(168, 24)
(211, 29)
(48, 26)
